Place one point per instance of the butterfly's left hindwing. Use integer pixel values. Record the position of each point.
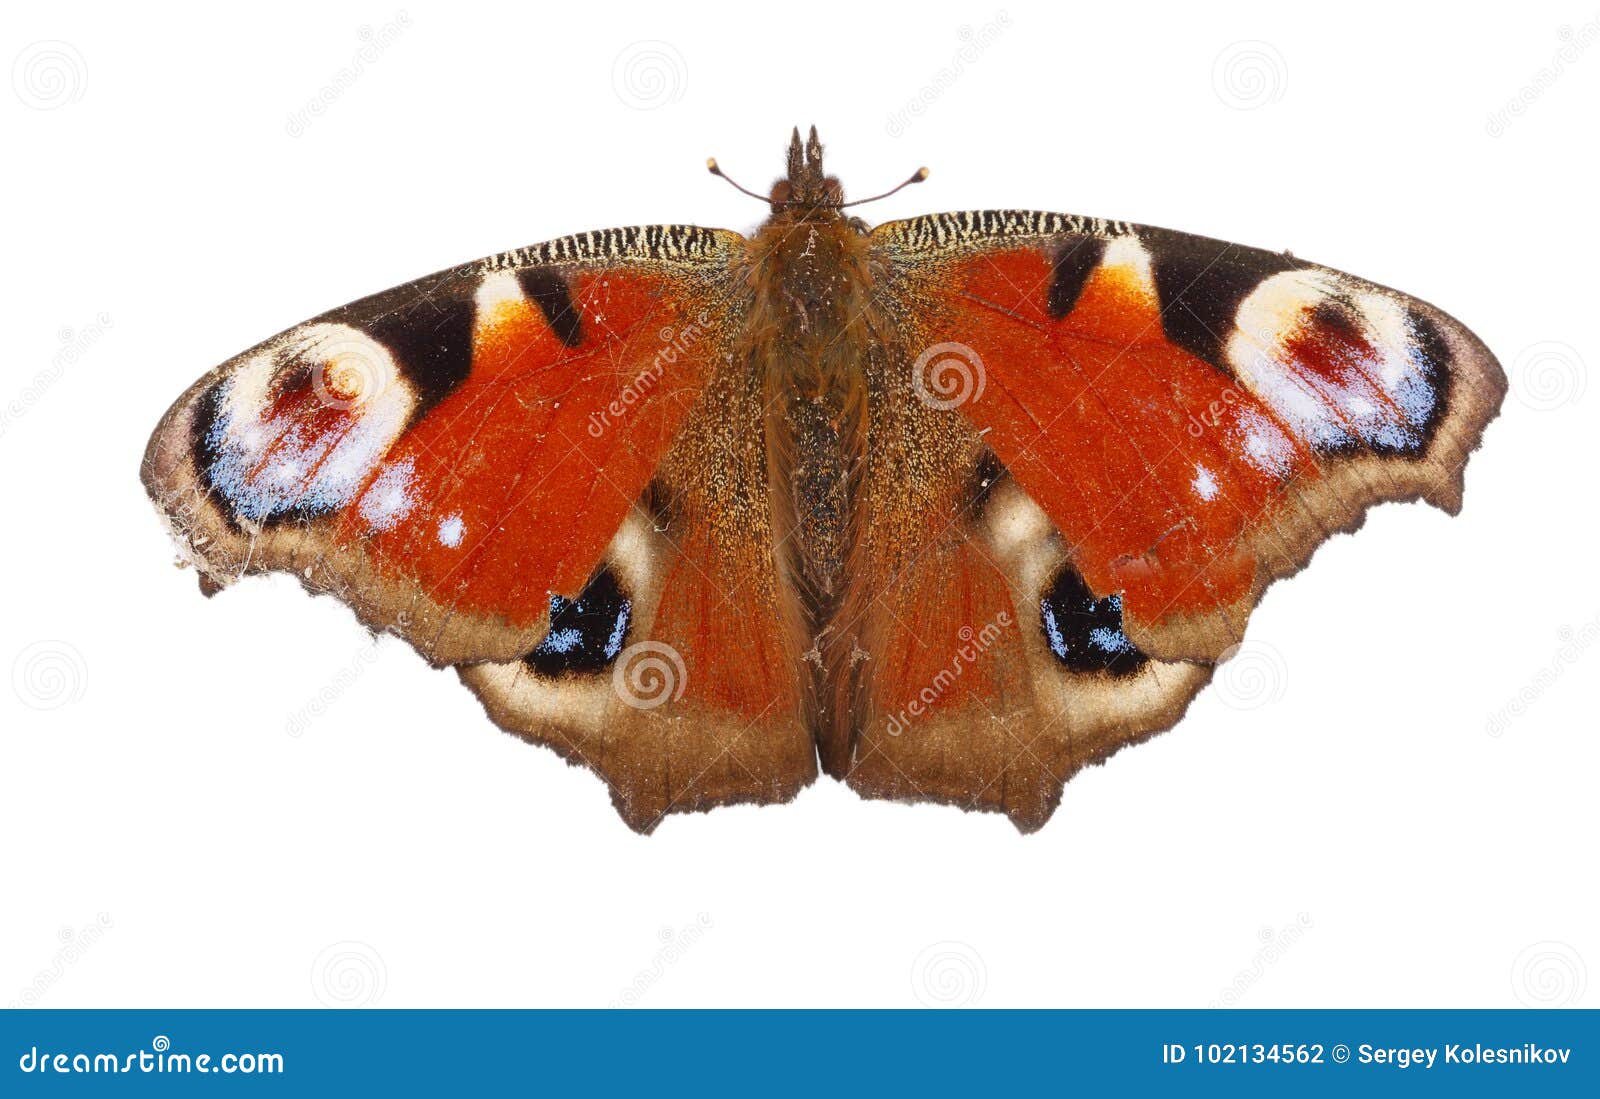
(506, 464)
(1159, 426)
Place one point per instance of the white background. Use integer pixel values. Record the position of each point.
(1343, 821)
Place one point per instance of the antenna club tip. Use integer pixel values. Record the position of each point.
(920, 175)
(711, 166)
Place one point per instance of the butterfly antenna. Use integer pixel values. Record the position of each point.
(916, 177)
(716, 169)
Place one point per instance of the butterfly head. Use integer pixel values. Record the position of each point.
(805, 188)
(805, 191)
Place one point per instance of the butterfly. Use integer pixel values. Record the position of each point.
(949, 508)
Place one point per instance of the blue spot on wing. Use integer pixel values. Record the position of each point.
(586, 633)
(1110, 641)
(560, 641)
(1085, 632)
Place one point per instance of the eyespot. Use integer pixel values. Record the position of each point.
(586, 633)
(298, 426)
(1085, 632)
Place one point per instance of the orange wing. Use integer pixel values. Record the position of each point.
(494, 463)
(1144, 430)
(1196, 417)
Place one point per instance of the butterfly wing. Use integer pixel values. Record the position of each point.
(1124, 435)
(508, 464)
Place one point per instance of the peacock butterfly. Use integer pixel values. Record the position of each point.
(951, 507)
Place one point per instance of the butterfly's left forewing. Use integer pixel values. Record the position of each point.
(527, 468)
(1123, 435)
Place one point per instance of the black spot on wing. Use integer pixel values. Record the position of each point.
(1200, 284)
(586, 633)
(662, 503)
(204, 439)
(428, 330)
(1073, 265)
(1432, 355)
(1084, 632)
(986, 476)
(202, 430)
(1336, 319)
(549, 291)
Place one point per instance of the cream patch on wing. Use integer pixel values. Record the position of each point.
(568, 710)
(1093, 713)
(499, 298)
(1126, 264)
(303, 423)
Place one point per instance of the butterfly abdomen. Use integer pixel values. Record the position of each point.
(810, 341)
